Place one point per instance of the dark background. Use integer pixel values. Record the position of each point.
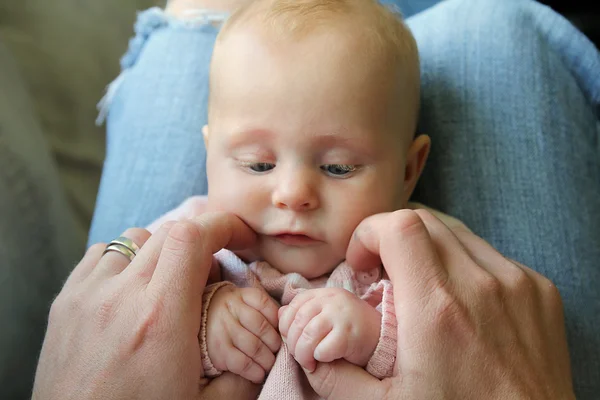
(583, 14)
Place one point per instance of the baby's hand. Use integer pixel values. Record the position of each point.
(241, 334)
(328, 324)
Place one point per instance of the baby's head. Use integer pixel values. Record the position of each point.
(312, 113)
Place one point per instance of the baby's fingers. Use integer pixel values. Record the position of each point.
(313, 333)
(302, 318)
(242, 365)
(257, 324)
(333, 347)
(260, 356)
(261, 302)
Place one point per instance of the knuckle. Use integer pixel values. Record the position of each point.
(264, 327)
(405, 222)
(180, 242)
(57, 308)
(184, 233)
(256, 349)
(520, 284)
(97, 248)
(550, 291)
(520, 279)
(246, 365)
(489, 285)
(167, 226)
(264, 301)
(256, 294)
(453, 318)
(302, 316)
(308, 336)
(67, 303)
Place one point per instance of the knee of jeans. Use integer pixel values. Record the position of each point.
(155, 18)
(148, 22)
(498, 20)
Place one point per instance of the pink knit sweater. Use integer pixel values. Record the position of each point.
(287, 381)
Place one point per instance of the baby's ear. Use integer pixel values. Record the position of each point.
(205, 135)
(415, 162)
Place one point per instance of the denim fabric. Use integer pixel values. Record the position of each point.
(510, 99)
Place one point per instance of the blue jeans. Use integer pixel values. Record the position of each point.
(511, 96)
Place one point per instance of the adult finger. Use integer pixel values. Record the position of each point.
(230, 386)
(504, 270)
(449, 221)
(186, 257)
(405, 248)
(113, 262)
(87, 264)
(144, 264)
(341, 380)
(459, 263)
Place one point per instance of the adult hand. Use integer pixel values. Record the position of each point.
(121, 330)
(471, 323)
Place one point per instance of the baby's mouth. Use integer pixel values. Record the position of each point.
(297, 240)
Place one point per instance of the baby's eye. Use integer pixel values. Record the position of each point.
(338, 169)
(261, 167)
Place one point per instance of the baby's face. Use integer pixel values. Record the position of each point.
(302, 145)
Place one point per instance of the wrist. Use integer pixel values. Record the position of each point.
(371, 339)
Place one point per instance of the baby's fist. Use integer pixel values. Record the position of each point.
(328, 324)
(241, 334)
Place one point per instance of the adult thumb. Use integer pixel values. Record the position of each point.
(229, 386)
(345, 381)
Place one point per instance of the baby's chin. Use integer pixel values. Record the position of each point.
(309, 262)
(302, 261)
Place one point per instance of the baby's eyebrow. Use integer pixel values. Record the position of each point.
(249, 136)
(357, 145)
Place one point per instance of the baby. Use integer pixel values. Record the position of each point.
(312, 113)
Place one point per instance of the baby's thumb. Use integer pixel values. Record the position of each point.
(343, 380)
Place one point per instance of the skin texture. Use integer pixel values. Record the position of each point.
(300, 143)
(329, 324)
(286, 121)
(471, 323)
(241, 327)
(130, 330)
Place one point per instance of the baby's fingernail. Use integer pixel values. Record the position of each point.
(317, 355)
(280, 311)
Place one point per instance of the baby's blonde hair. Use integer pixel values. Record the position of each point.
(381, 28)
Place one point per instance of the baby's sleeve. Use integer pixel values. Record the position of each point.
(209, 369)
(381, 364)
